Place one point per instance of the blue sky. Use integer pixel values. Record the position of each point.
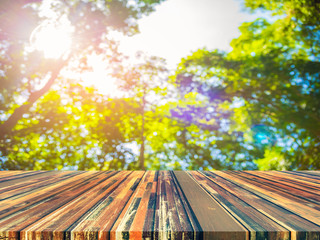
(178, 27)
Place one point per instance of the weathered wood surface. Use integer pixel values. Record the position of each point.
(79, 205)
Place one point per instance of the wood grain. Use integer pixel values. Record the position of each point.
(78, 205)
(260, 226)
(215, 222)
(299, 227)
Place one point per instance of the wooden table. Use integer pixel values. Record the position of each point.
(159, 205)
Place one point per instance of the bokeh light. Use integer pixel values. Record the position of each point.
(53, 39)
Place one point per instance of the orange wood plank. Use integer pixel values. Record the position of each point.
(18, 218)
(73, 212)
(30, 186)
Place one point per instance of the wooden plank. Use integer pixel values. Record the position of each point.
(104, 216)
(26, 214)
(299, 178)
(315, 172)
(260, 226)
(16, 174)
(23, 176)
(156, 211)
(37, 196)
(159, 205)
(312, 174)
(215, 222)
(9, 173)
(299, 227)
(286, 182)
(166, 217)
(130, 224)
(173, 220)
(60, 221)
(114, 232)
(313, 178)
(281, 187)
(187, 219)
(295, 204)
(35, 184)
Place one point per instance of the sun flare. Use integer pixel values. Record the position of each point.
(52, 39)
(100, 76)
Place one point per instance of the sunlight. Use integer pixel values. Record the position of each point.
(97, 75)
(52, 39)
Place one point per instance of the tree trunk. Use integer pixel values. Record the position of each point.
(142, 138)
(141, 157)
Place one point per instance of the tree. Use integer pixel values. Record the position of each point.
(26, 77)
(256, 107)
(91, 22)
(145, 84)
(269, 83)
(71, 127)
(171, 128)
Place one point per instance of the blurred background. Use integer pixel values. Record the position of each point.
(155, 84)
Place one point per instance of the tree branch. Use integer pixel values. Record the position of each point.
(8, 125)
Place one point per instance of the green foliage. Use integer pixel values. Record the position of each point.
(69, 126)
(81, 130)
(255, 107)
(270, 79)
